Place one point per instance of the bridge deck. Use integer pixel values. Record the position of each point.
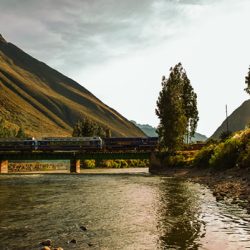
(73, 155)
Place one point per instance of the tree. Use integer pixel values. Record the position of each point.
(87, 127)
(190, 107)
(247, 81)
(5, 131)
(21, 133)
(176, 109)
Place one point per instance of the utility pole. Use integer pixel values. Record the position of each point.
(227, 120)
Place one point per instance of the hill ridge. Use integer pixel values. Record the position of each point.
(49, 96)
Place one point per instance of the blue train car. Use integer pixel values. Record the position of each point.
(130, 143)
(16, 144)
(69, 143)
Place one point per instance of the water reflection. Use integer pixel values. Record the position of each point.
(120, 212)
(179, 216)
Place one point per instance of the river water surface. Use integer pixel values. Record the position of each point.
(120, 211)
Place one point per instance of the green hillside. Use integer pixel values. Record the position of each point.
(238, 120)
(45, 102)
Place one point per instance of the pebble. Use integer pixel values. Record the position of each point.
(83, 228)
(73, 241)
(46, 243)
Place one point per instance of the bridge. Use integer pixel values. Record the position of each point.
(74, 157)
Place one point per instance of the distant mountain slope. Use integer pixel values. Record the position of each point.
(151, 131)
(47, 103)
(238, 120)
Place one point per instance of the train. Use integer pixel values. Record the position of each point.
(79, 144)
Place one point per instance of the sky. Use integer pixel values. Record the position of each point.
(119, 50)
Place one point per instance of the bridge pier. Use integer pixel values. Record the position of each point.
(4, 166)
(75, 166)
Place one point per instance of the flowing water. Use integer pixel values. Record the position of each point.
(120, 211)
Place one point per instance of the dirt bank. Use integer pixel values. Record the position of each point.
(232, 185)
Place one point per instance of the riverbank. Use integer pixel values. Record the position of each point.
(231, 185)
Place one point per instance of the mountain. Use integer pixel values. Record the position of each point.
(238, 120)
(45, 102)
(151, 131)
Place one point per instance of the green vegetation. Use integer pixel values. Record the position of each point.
(6, 132)
(86, 127)
(234, 151)
(176, 109)
(115, 164)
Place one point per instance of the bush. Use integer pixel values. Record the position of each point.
(88, 164)
(175, 161)
(202, 158)
(226, 153)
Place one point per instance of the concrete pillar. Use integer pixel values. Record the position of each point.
(74, 166)
(3, 166)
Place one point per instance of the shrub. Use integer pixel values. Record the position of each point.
(202, 158)
(226, 153)
(88, 164)
(175, 161)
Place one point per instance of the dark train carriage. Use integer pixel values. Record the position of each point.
(16, 144)
(69, 143)
(130, 143)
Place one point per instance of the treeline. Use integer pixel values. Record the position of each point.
(87, 127)
(6, 132)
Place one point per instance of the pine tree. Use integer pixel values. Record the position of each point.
(247, 81)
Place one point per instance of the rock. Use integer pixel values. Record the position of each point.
(47, 243)
(45, 248)
(73, 241)
(83, 228)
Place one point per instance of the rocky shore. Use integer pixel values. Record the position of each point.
(232, 184)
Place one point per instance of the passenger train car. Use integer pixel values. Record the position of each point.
(15, 144)
(69, 143)
(79, 144)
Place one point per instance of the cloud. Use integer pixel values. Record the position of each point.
(69, 34)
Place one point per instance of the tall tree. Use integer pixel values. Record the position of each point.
(176, 109)
(247, 81)
(190, 106)
(170, 111)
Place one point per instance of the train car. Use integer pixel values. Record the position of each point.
(149, 143)
(69, 143)
(17, 144)
(130, 143)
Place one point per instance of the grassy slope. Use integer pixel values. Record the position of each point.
(46, 102)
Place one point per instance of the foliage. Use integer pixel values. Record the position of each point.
(225, 135)
(247, 81)
(202, 158)
(21, 133)
(176, 109)
(115, 163)
(4, 131)
(226, 153)
(87, 127)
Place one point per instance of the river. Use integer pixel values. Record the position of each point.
(119, 210)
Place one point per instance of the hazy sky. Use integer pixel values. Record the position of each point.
(119, 49)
